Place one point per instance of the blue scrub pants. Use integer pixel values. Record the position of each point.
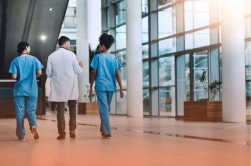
(104, 102)
(25, 105)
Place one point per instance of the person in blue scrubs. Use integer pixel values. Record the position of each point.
(105, 73)
(25, 69)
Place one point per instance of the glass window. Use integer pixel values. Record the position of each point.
(144, 6)
(167, 46)
(248, 73)
(70, 18)
(120, 15)
(200, 62)
(196, 14)
(188, 77)
(121, 103)
(122, 58)
(162, 3)
(146, 74)
(107, 11)
(166, 22)
(166, 71)
(197, 39)
(167, 101)
(146, 102)
(70, 12)
(120, 37)
(145, 35)
(145, 51)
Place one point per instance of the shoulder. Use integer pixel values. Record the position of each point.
(65, 52)
(32, 57)
(14, 60)
(55, 52)
(71, 53)
(17, 59)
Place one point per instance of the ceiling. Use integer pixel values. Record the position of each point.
(36, 21)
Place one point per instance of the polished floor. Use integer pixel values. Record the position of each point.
(134, 142)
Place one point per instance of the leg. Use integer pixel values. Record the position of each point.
(30, 110)
(72, 122)
(109, 99)
(104, 109)
(60, 120)
(53, 106)
(20, 112)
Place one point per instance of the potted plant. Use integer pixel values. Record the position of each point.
(212, 89)
(207, 109)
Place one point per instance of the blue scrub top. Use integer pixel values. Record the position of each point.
(106, 66)
(25, 67)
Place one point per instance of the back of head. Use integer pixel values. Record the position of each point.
(22, 46)
(106, 40)
(62, 40)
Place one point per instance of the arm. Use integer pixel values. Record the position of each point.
(93, 77)
(120, 83)
(49, 68)
(14, 76)
(77, 66)
(39, 73)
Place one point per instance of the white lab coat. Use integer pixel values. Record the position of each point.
(62, 68)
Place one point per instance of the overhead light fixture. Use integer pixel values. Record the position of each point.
(50, 9)
(43, 37)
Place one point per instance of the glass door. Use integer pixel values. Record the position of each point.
(199, 66)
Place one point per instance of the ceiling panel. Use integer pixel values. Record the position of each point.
(35, 21)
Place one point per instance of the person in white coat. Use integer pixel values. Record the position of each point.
(62, 69)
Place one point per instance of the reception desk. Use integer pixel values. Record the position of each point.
(7, 107)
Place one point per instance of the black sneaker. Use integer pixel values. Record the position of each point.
(72, 134)
(61, 136)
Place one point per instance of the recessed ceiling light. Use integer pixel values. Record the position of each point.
(43, 37)
(50, 9)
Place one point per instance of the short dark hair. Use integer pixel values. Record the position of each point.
(62, 40)
(106, 40)
(22, 46)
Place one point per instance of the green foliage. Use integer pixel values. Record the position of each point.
(213, 88)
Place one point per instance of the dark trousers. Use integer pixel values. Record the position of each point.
(61, 119)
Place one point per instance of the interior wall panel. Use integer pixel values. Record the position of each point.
(29, 20)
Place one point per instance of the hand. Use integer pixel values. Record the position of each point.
(90, 92)
(121, 93)
(81, 64)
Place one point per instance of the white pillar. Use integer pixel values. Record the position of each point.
(82, 48)
(94, 22)
(88, 31)
(233, 61)
(134, 58)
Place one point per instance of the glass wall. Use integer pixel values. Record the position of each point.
(196, 14)
(200, 65)
(189, 29)
(120, 12)
(70, 18)
(248, 56)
